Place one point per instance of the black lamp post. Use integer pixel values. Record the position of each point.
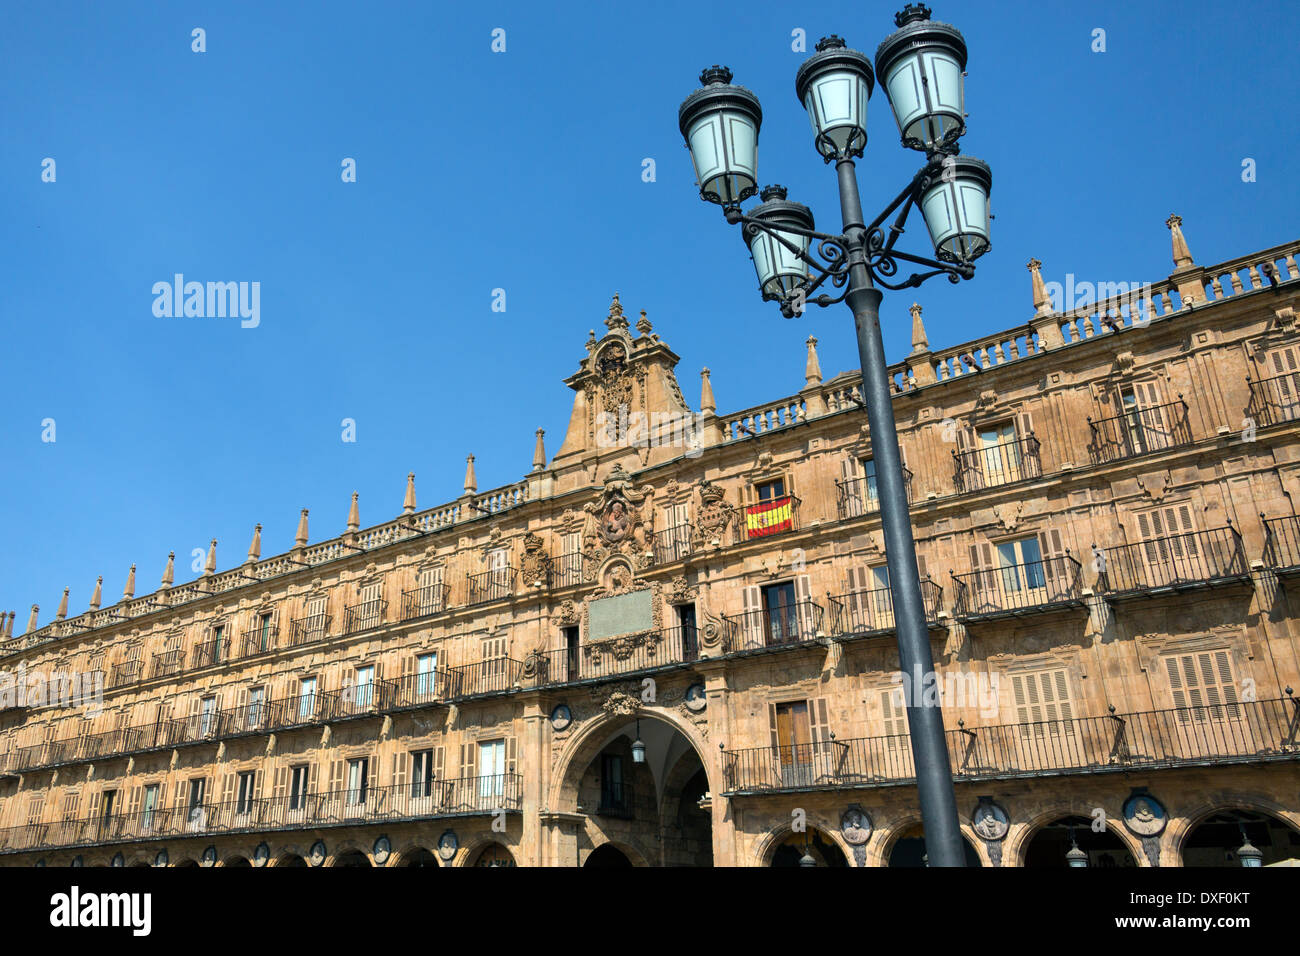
(921, 68)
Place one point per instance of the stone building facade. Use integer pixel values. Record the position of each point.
(672, 642)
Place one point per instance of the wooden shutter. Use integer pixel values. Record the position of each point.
(771, 713)
(1202, 678)
(400, 760)
(228, 789)
(336, 776)
(257, 784)
(820, 723)
(752, 635)
(893, 712)
(511, 760)
(439, 753)
(468, 760)
(280, 783)
(92, 811)
(312, 784)
(982, 562)
(1043, 696)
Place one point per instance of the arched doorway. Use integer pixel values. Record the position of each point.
(494, 854)
(813, 844)
(1219, 839)
(608, 855)
(1055, 843)
(237, 861)
(641, 783)
(419, 856)
(352, 858)
(291, 859)
(909, 849)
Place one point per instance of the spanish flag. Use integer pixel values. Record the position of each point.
(770, 517)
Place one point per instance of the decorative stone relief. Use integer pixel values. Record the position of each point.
(535, 565)
(714, 516)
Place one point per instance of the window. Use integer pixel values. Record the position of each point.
(148, 807)
(893, 712)
(870, 494)
(244, 802)
(1144, 423)
(107, 804)
(256, 697)
(999, 453)
(1203, 686)
(1043, 704)
(779, 613)
(264, 632)
(1021, 562)
(792, 741)
(1169, 537)
(495, 669)
(198, 787)
(421, 774)
(613, 796)
(306, 698)
(426, 672)
(492, 767)
(369, 613)
(358, 781)
(1283, 392)
(770, 490)
(218, 642)
(429, 594)
(364, 689)
(689, 635)
(298, 778)
(207, 716)
(571, 653)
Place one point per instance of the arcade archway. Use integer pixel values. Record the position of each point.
(1224, 837)
(909, 849)
(1060, 843)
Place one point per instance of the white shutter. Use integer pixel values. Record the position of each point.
(752, 619)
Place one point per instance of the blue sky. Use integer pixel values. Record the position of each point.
(521, 171)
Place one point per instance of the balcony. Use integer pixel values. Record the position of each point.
(855, 497)
(864, 613)
(566, 570)
(423, 690)
(672, 544)
(259, 640)
(466, 796)
(425, 601)
(1139, 432)
(1177, 562)
(1016, 590)
(124, 673)
(1282, 545)
(361, 700)
(307, 630)
(768, 518)
(211, 652)
(495, 585)
(616, 658)
(495, 675)
(797, 623)
(168, 663)
(364, 616)
(1275, 400)
(1267, 730)
(994, 465)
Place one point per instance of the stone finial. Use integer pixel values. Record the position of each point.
(354, 513)
(643, 324)
(9, 628)
(471, 483)
(128, 592)
(255, 547)
(812, 371)
(707, 405)
(300, 539)
(616, 320)
(62, 612)
(408, 503)
(169, 572)
(210, 565)
(920, 342)
(539, 452)
(97, 596)
(31, 621)
(1042, 301)
(591, 340)
(1182, 255)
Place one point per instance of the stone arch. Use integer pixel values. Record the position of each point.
(235, 859)
(469, 856)
(587, 743)
(287, 856)
(766, 845)
(1182, 826)
(635, 855)
(409, 850)
(1018, 837)
(884, 839)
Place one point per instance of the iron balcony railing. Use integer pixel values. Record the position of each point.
(871, 611)
(855, 497)
(796, 623)
(1275, 400)
(259, 640)
(1018, 588)
(360, 699)
(492, 675)
(1157, 739)
(1282, 543)
(1139, 431)
(495, 585)
(305, 630)
(672, 544)
(768, 518)
(642, 652)
(465, 796)
(428, 687)
(210, 652)
(566, 570)
(168, 663)
(424, 601)
(125, 672)
(1175, 561)
(994, 465)
(363, 616)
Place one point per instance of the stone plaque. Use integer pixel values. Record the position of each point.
(622, 614)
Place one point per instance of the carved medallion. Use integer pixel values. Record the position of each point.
(1144, 815)
(855, 825)
(990, 821)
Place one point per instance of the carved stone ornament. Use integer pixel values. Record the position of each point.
(714, 515)
(316, 855)
(1144, 815)
(711, 635)
(495, 539)
(990, 821)
(680, 592)
(566, 615)
(618, 522)
(619, 704)
(1008, 515)
(1156, 487)
(855, 825)
(536, 562)
(1125, 361)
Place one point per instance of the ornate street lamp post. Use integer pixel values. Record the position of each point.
(921, 69)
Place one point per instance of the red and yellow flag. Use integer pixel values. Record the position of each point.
(770, 517)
